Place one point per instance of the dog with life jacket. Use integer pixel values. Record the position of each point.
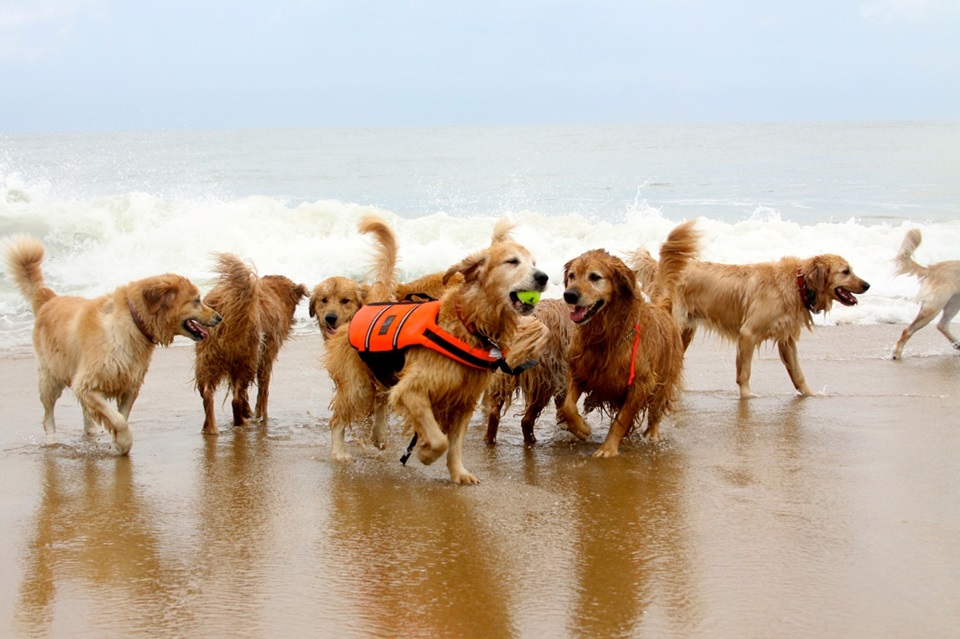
(436, 358)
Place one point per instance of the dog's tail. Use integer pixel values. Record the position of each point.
(24, 254)
(383, 270)
(903, 263)
(646, 267)
(682, 247)
(237, 293)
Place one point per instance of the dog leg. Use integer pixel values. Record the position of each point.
(745, 348)
(570, 417)
(924, 317)
(50, 391)
(210, 418)
(263, 390)
(380, 420)
(417, 414)
(338, 449)
(113, 421)
(687, 335)
(788, 355)
(494, 404)
(535, 406)
(240, 405)
(459, 474)
(620, 426)
(949, 311)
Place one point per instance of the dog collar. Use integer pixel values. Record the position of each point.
(139, 322)
(808, 297)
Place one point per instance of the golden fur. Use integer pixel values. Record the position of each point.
(435, 396)
(617, 330)
(538, 384)
(939, 291)
(749, 304)
(102, 347)
(257, 319)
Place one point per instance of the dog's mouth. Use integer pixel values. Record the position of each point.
(196, 330)
(580, 314)
(844, 296)
(518, 305)
(328, 331)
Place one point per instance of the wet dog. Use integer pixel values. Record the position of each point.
(749, 304)
(102, 347)
(626, 354)
(539, 384)
(939, 291)
(257, 319)
(434, 394)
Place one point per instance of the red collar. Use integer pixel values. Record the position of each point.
(472, 329)
(807, 296)
(139, 322)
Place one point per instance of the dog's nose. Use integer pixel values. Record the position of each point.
(217, 318)
(330, 319)
(866, 286)
(570, 296)
(541, 278)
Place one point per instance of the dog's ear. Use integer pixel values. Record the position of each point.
(624, 278)
(362, 293)
(566, 272)
(468, 267)
(818, 275)
(159, 295)
(313, 311)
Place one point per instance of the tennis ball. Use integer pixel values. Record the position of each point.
(528, 297)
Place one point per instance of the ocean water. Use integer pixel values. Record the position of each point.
(118, 206)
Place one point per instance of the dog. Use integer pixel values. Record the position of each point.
(102, 347)
(539, 384)
(258, 319)
(749, 304)
(336, 300)
(939, 291)
(434, 394)
(626, 355)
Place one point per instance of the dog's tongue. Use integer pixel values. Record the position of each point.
(578, 313)
(199, 328)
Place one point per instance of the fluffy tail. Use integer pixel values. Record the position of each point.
(903, 263)
(646, 267)
(383, 270)
(24, 254)
(236, 294)
(682, 246)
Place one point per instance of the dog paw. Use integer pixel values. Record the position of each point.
(340, 456)
(429, 452)
(605, 452)
(463, 477)
(122, 442)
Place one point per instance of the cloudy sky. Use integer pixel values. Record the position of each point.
(132, 64)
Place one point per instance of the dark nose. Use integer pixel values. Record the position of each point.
(570, 296)
(866, 286)
(330, 319)
(217, 318)
(541, 278)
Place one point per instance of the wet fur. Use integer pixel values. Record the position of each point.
(257, 319)
(749, 304)
(436, 396)
(539, 384)
(95, 346)
(939, 291)
(602, 347)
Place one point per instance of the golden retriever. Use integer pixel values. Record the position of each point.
(749, 304)
(435, 395)
(939, 291)
(539, 384)
(258, 318)
(626, 355)
(102, 347)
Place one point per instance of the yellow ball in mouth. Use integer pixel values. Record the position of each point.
(528, 297)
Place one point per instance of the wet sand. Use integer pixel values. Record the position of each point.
(831, 516)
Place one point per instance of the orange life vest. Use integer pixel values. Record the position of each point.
(382, 331)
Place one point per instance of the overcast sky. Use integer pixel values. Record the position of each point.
(130, 64)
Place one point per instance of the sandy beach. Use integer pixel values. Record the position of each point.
(780, 516)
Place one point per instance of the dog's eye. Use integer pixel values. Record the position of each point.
(846, 271)
(345, 301)
(323, 300)
(196, 302)
(513, 261)
(595, 277)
